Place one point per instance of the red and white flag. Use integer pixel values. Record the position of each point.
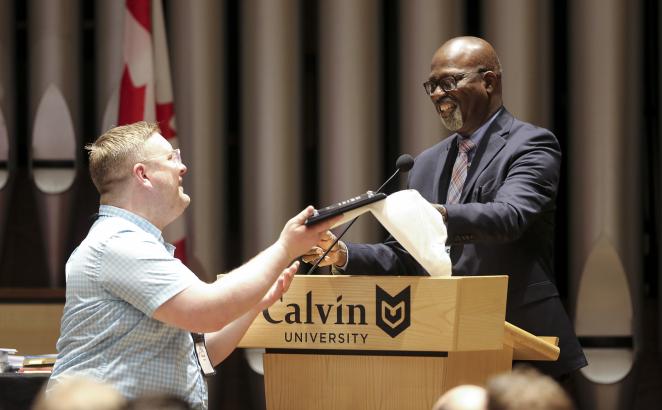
(146, 87)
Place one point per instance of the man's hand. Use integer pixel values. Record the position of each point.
(280, 286)
(337, 256)
(297, 238)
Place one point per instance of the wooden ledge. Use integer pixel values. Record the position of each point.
(527, 346)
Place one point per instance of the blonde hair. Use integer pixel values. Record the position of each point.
(114, 152)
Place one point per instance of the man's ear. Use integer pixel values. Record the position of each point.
(490, 79)
(139, 173)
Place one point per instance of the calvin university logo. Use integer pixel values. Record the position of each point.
(393, 312)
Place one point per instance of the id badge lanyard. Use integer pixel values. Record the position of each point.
(201, 354)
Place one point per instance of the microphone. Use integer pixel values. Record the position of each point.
(403, 164)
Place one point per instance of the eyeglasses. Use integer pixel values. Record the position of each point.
(176, 157)
(448, 83)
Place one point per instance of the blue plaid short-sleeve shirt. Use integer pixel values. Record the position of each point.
(116, 278)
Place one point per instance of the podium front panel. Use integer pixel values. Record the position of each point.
(385, 313)
(350, 381)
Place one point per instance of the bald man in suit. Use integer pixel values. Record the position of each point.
(494, 182)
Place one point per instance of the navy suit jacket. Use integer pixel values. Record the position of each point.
(503, 225)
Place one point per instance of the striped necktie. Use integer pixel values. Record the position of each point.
(459, 171)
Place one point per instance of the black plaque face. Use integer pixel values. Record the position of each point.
(393, 312)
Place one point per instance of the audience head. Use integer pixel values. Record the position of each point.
(158, 402)
(80, 393)
(526, 389)
(465, 397)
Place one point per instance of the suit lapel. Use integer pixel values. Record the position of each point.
(491, 143)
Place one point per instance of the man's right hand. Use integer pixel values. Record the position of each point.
(297, 238)
(337, 256)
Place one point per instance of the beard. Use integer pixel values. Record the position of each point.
(454, 121)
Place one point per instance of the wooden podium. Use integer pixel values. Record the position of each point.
(381, 342)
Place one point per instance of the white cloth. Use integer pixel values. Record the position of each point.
(415, 224)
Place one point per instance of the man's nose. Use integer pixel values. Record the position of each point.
(437, 93)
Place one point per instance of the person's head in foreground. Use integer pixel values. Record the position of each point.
(526, 389)
(157, 402)
(465, 397)
(80, 393)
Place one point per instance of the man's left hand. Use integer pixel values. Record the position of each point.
(279, 287)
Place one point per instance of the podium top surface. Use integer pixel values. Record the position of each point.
(385, 313)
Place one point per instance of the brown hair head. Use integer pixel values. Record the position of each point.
(114, 152)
